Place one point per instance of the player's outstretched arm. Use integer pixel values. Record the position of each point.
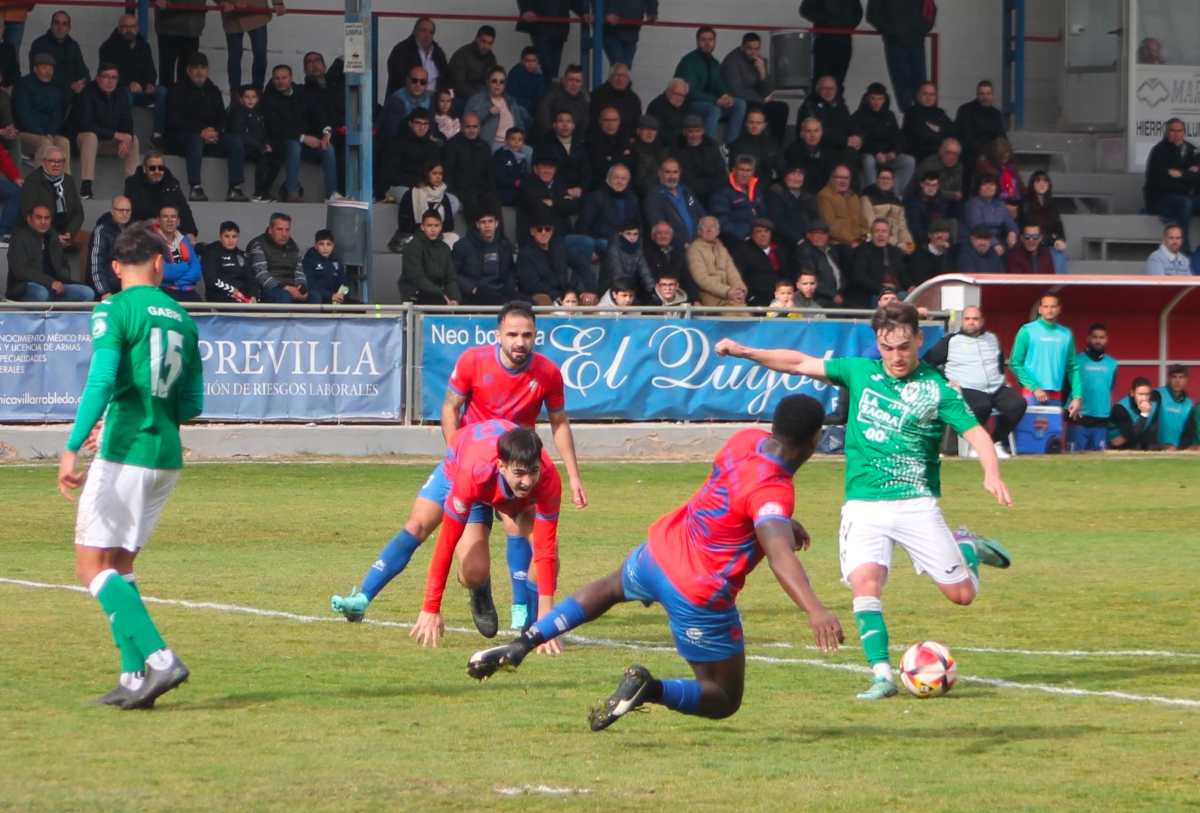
(981, 442)
(560, 426)
(778, 541)
(782, 361)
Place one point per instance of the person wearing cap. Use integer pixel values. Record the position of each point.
(673, 203)
(40, 108)
(700, 160)
(648, 153)
(745, 72)
(196, 127)
(881, 145)
(791, 208)
(756, 142)
(608, 143)
(739, 202)
(876, 263)
(762, 262)
(817, 255)
(978, 254)
(617, 92)
(932, 259)
(709, 96)
(70, 71)
(713, 268)
(542, 271)
(544, 194)
(669, 109)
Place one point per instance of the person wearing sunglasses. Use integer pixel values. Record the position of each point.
(153, 186)
(1030, 256)
(412, 96)
(498, 111)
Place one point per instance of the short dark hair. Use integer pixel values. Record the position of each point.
(517, 307)
(705, 29)
(138, 244)
(750, 36)
(106, 66)
(784, 283)
(197, 60)
(807, 272)
(895, 315)
(527, 50)
(228, 225)
(323, 234)
(520, 447)
(1140, 381)
(624, 284)
(431, 214)
(797, 419)
(1050, 295)
(485, 30)
(573, 68)
(244, 89)
(279, 216)
(985, 83)
(931, 175)
(1097, 326)
(512, 131)
(1177, 369)
(282, 67)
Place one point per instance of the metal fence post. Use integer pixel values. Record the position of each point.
(597, 46)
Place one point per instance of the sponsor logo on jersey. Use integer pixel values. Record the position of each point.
(693, 634)
(770, 509)
(458, 504)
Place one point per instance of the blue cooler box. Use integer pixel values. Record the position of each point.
(1041, 431)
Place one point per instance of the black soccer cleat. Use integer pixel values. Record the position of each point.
(157, 683)
(483, 610)
(487, 662)
(118, 697)
(628, 697)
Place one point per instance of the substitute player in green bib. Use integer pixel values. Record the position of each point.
(144, 381)
(899, 407)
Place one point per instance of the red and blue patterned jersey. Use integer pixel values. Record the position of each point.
(472, 465)
(494, 391)
(707, 546)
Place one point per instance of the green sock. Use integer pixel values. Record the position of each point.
(968, 552)
(132, 658)
(872, 631)
(123, 606)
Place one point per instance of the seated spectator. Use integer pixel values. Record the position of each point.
(181, 265)
(932, 259)
(275, 260)
(325, 272)
(842, 209)
(881, 140)
(469, 171)
(470, 67)
(418, 48)
(997, 160)
(981, 254)
(1088, 432)
(673, 203)
(108, 228)
(427, 195)
(760, 145)
(668, 258)
(745, 73)
(604, 213)
(246, 123)
(881, 201)
(790, 208)
(569, 300)
(816, 254)
(1029, 256)
(196, 127)
(669, 108)
(55, 189)
(712, 267)
(1168, 260)
(926, 125)
(405, 156)
(739, 202)
(609, 143)
(427, 274)
(542, 271)
(444, 119)
(565, 96)
(413, 96)
(8, 129)
(1134, 419)
(810, 153)
(625, 261)
(297, 129)
(227, 274)
(152, 187)
(1196, 264)
(37, 269)
(130, 53)
(1150, 52)
(708, 95)
(1172, 187)
(761, 262)
(622, 294)
(564, 145)
(10, 195)
(40, 108)
(497, 111)
(328, 87)
(840, 132)
(668, 292)
(618, 94)
(510, 165)
(1175, 408)
(648, 153)
(985, 209)
(483, 263)
(805, 295)
(948, 166)
(70, 71)
(876, 263)
(925, 207)
(701, 164)
(1039, 209)
(978, 122)
(545, 196)
(783, 300)
(105, 121)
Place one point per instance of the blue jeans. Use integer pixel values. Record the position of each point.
(1087, 438)
(258, 65)
(906, 67)
(228, 146)
(1060, 260)
(294, 151)
(619, 50)
(1179, 209)
(580, 249)
(72, 292)
(734, 116)
(13, 33)
(10, 193)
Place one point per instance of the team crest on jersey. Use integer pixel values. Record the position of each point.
(459, 506)
(770, 509)
(694, 634)
(99, 326)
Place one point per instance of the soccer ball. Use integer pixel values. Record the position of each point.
(928, 669)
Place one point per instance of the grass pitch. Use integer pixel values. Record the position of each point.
(294, 714)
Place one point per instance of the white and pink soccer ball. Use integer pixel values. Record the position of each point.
(928, 669)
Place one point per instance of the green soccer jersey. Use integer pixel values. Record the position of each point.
(159, 380)
(895, 427)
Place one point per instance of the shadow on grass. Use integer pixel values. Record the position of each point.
(440, 691)
(972, 740)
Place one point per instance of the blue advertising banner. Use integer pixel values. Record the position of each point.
(652, 368)
(43, 363)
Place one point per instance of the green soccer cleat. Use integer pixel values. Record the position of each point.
(989, 551)
(880, 688)
(353, 606)
(628, 697)
(520, 617)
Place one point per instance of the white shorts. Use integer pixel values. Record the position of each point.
(120, 504)
(871, 528)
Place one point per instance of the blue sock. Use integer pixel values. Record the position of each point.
(519, 553)
(531, 600)
(681, 695)
(564, 616)
(391, 562)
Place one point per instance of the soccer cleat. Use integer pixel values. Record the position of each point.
(483, 610)
(880, 688)
(520, 617)
(628, 697)
(157, 683)
(118, 697)
(989, 551)
(353, 606)
(1001, 452)
(487, 662)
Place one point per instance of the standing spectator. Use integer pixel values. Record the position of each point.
(51, 187)
(497, 111)
(418, 48)
(178, 33)
(673, 203)
(1168, 260)
(274, 258)
(246, 122)
(248, 17)
(227, 274)
(712, 267)
(196, 127)
(130, 53)
(817, 255)
(904, 25)
(328, 87)
(429, 194)
(526, 83)
(483, 262)
(812, 155)
(1097, 374)
(511, 166)
(10, 195)
(667, 258)
(1172, 187)
(37, 270)
(617, 92)
(708, 95)
(972, 360)
(842, 209)
(427, 275)
(877, 264)
(108, 228)
(831, 52)
(700, 159)
(926, 206)
(762, 263)
(744, 70)
(621, 40)
(790, 208)
(609, 144)
(1039, 209)
(544, 198)
(15, 14)
(297, 129)
(926, 125)
(648, 153)
(881, 201)
(758, 144)
(444, 119)
(414, 95)
(739, 202)
(105, 120)
(471, 66)
(881, 145)
(469, 172)
(181, 265)
(839, 130)
(624, 263)
(985, 209)
(325, 272)
(548, 38)
(980, 253)
(669, 109)
(40, 108)
(1175, 408)
(932, 259)
(542, 271)
(978, 122)
(70, 71)
(1043, 358)
(947, 164)
(153, 186)
(568, 96)
(1030, 256)
(1135, 418)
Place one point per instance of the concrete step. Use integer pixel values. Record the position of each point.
(1084, 232)
(1107, 267)
(1054, 151)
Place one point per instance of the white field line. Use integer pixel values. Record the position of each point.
(542, 790)
(1045, 653)
(641, 646)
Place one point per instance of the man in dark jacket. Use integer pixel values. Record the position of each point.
(838, 129)
(621, 41)
(418, 49)
(881, 146)
(105, 119)
(227, 274)
(760, 145)
(405, 157)
(51, 187)
(818, 256)
(526, 82)
(483, 262)
(673, 203)
(103, 278)
(904, 25)
(607, 145)
(196, 127)
(876, 263)
(566, 95)
(427, 276)
(708, 95)
(762, 262)
(39, 108)
(1172, 187)
(152, 187)
(790, 208)
(274, 258)
(470, 65)
(667, 258)
(978, 123)
(926, 125)
(328, 87)
(978, 254)
(548, 38)
(831, 53)
(926, 206)
(617, 93)
(931, 259)
(70, 71)
(544, 196)
(468, 163)
(700, 160)
(813, 155)
(37, 270)
(566, 147)
(542, 271)
(739, 203)
(669, 109)
(745, 72)
(130, 53)
(298, 130)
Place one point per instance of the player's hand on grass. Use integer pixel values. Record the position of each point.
(827, 630)
(728, 347)
(551, 647)
(429, 629)
(69, 478)
(578, 495)
(803, 540)
(997, 488)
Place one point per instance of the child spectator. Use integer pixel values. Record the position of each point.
(569, 300)
(246, 122)
(428, 276)
(785, 298)
(448, 124)
(620, 295)
(227, 276)
(526, 83)
(624, 260)
(511, 165)
(668, 292)
(428, 194)
(325, 272)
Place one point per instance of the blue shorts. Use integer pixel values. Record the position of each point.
(1087, 438)
(437, 489)
(701, 634)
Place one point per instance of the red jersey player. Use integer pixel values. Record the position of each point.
(694, 564)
